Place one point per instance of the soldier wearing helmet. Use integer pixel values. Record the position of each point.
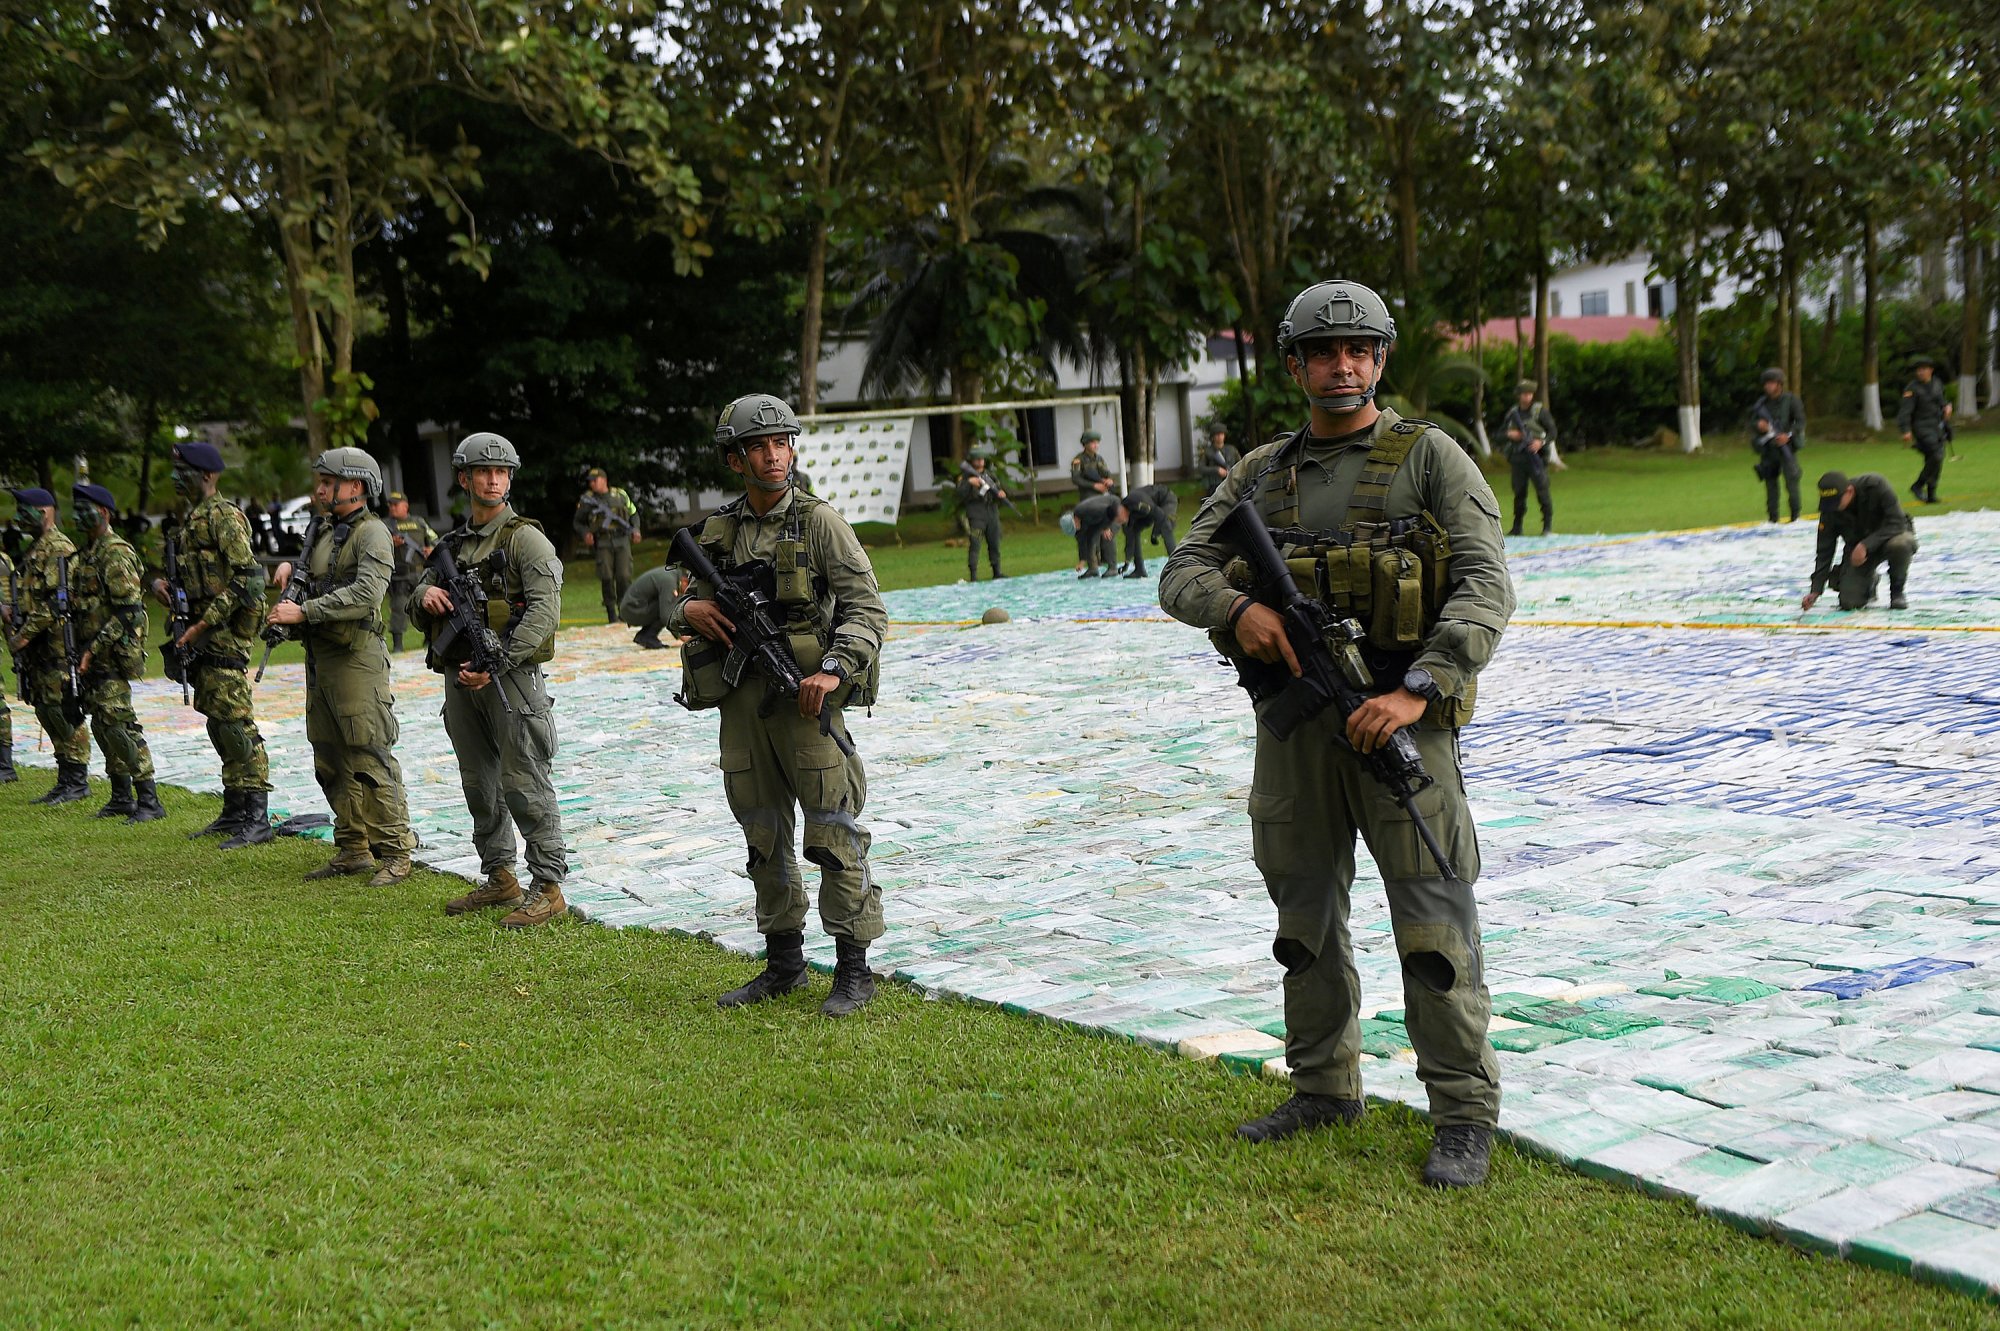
(350, 703)
(225, 587)
(1092, 476)
(501, 725)
(413, 539)
(107, 592)
(779, 760)
(1392, 524)
(1217, 457)
(35, 637)
(1777, 433)
(1925, 421)
(607, 520)
(979, 499)
(1531, 440)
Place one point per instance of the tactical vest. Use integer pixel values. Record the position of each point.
(797, 588)
(205, 574)
(342, 635)
(506, 598)
(87, 590)
(1390, 574)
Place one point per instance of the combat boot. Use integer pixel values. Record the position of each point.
(649, 638)
(1302, 1113)
(853, 982)
(253, 825)
(395, 642)
(146, 806)
(72, 784)
(121, 802)
(501, 888)
(1898, 601)
(394, 868)
(1460, 1155)
(1515, 530)
(7, 772)
(1548, 529)
(347, 863)
(784, 971)
(225, 822)
(544, 902)
(1138, 572)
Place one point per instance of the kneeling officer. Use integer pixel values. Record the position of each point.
(1863, 513)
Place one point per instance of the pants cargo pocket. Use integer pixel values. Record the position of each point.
(1271, 841)
(833, 835)
(1399, 849)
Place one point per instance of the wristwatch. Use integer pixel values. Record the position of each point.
(1418, 681)
(832, 666)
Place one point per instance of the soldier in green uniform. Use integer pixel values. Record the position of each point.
(607, 519)
(979, 496)
(37, 643)
(350, 707)
(1096, 521)
(1400, 530)
(107, 587)
(1862, 513)
(502, 726)
(1925, 420)
(225, 589)
(1151, 507)
(781, 755)
(1217, 458)
(1092, 476)
(1531, 437)
(1777, 433)
(412, 539)
(10, 591)
(649, 601)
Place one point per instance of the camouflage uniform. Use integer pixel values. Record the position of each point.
(43, 670)
(111, 629)
(7, 594)
(225, 587)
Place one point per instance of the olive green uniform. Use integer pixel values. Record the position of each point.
(1086, 469)
(410, 536)
(774, 765)
(610, 518)
(225, 588)
(1097, 530)
(1530, 466)
(1310, 794)
(111, 629)
(1215, 455)
(1151, 507)
(43, 669)
(1922, 417)
(650, 599)
(504, 758)
(1769, 418)
(9, 593)
(1875, 520)
(350, 705)
(978, 498)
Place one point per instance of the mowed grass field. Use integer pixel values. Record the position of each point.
(228, 1097)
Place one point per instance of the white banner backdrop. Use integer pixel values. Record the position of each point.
(858, 466)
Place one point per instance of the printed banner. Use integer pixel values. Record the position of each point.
(858, 466)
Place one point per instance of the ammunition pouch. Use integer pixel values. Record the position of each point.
(1389, 575)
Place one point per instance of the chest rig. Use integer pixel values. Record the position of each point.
(338, 634)
(506, 597)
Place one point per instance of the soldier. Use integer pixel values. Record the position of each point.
(412, 539)
(501, 725)
(796, 754)
(649, 602)
(1097, 520)
(979, 496)
(107, 588)
(1152, 507)
(1217, 458)
(1863, 513)
(607, 519)
(37, 643)
(1092, 476)
(1531, 437)
(1359, 477)
(225, 589)
(1925, 420)
(350, 707)
(10, 591)
(1777, 433)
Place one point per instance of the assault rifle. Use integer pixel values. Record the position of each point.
(179, 619)
(72, 699)
(297, 589)
(758, 641)
(1332, 671)
(466, 636)
(991, 484)
(601, 504)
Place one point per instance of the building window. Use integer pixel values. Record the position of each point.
(1041, 435)
(1659, 301)
(1594, 303)
(1555, 304)
(1631, 298)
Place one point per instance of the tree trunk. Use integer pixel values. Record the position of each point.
(1871, 326)
(1990, 317)
(1520, 350)
(1796, 373)
(1252, 438)
(1972, 309)
(1542, 325)
(149, 430)
(809, 333)
(1781, 313)
(1687, 339)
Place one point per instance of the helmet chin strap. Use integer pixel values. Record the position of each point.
(1355, 401)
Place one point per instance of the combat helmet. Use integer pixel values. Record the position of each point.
(351, 464)
(1338, 309)
(485, 449)
(1774, 375)
(1526, 386)
(753, 416)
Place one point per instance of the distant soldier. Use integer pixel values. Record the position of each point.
(649, 602)
(107, 588)
(350, 706)
(1925, 420)
(979, 497)
(1151, 507)
(1088, 471)
(1531, 437)
(1862, 513)
(1217, 458)
(225, 590)
(37, 643)
(1778, 432)
(607, 519)
(10, 592)
(411, 538)
(1097, 521)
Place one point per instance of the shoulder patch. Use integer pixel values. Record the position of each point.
(1409, 427)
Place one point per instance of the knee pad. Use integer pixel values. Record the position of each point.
(1293, 955)
(833, 840)
(762, 841)
(236, 741)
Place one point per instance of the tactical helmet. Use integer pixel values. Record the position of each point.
(1338, 309)
(753, 416)
(1774, 375)
(1090, 437)
(1527, 386)
(1923, 362)
(981, 451)
(351, 464)
(485, 449)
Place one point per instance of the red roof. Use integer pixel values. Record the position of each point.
(1584, 328)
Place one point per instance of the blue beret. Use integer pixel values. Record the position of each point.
(200, 456)
(34, 498)
(96, 494)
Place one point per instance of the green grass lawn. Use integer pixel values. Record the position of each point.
(233, 1099)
